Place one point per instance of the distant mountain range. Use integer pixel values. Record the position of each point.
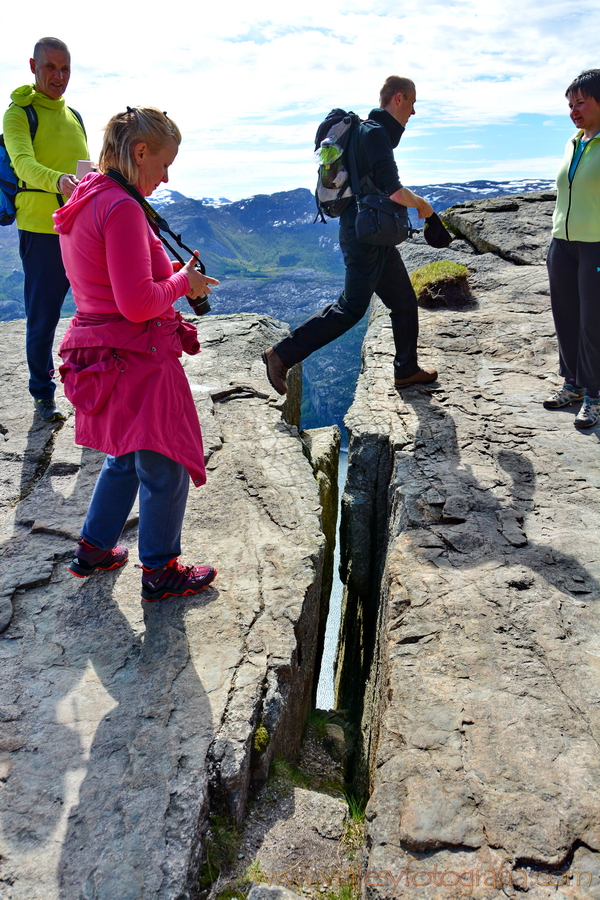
(271, 258)
(441, 196)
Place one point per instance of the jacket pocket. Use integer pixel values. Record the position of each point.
(88, 385)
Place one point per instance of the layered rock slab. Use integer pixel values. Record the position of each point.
(471, 555)
(123, 721)
(516, 228)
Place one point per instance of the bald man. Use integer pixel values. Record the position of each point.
(45, 167)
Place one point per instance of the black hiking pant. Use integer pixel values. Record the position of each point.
(574, 274)
(369, 270)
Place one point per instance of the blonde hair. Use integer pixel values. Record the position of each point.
(140, 124)
(393, 85)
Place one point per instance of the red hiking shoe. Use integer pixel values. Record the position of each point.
(175, 580)
(88, 558)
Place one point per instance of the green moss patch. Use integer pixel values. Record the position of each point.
(261, 739)
(441, 283)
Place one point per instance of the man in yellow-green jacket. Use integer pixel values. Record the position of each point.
(46, 170)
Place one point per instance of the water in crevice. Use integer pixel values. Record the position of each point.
(325, 687)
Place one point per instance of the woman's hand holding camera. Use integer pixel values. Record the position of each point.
(199, 283)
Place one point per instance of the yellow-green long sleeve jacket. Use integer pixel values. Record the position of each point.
(58, 144)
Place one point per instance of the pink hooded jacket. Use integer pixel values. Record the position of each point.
(121, 367)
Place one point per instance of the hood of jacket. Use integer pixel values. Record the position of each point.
(90, 186)
(26, 95)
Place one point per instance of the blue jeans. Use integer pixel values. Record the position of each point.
(163, 485)
(46, 286)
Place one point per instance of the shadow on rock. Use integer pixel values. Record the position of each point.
(142, 798)
(106, 723)
(476, 521)
(38, 452)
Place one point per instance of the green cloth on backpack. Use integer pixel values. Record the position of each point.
(58, 144)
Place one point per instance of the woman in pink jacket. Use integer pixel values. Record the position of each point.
(121, 367)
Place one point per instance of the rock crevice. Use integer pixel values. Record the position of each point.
(470, 530)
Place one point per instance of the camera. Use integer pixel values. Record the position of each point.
(200, 305)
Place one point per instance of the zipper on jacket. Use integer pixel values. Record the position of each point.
(571, 180)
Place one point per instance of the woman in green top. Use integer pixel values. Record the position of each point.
(574, 256)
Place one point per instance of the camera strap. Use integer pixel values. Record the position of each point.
(157, 223)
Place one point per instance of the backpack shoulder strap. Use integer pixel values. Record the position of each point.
(352, 150)
(364, 184)
(32, 118)
(79, 119)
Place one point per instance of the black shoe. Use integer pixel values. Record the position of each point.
(48, 411)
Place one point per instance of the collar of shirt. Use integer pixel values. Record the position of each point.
(394, 128)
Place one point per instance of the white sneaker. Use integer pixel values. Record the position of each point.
(589, 414)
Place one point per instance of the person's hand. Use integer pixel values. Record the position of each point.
(67, 184)
(424, 208)
(406, 197)
(199, 284)
(177, 266)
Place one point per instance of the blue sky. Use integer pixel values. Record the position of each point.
(249, 83)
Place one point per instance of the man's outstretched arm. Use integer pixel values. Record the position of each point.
(406, 197)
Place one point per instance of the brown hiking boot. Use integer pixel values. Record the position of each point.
(421, 376)
(276, 371)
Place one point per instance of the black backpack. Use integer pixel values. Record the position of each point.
(334, 190)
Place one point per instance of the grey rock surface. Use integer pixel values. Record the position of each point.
(303, 847)
(471, 556)
(516, 228)
(270, 892)
(123, 721)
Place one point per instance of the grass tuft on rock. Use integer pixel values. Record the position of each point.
(220, 846)
(441, 283)
(261, 739)
(287, 775)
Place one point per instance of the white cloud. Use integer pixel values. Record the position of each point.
(465, 147)
(244, 83)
